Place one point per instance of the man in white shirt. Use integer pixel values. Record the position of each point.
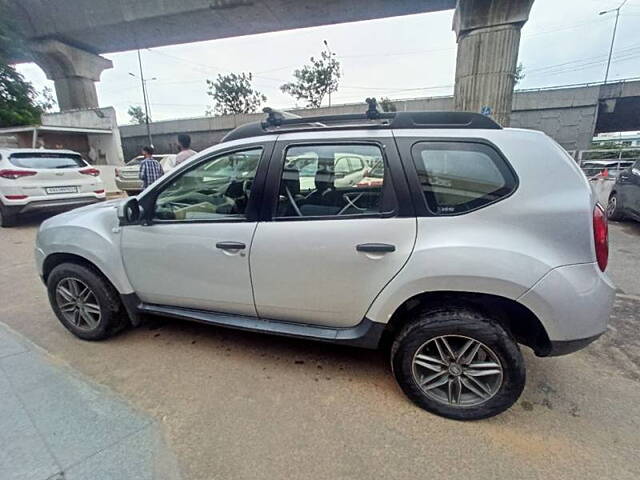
(184, 142)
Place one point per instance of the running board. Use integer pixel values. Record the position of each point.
(366, 334)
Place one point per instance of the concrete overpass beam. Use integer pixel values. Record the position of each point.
(488, 33)
(73, 71)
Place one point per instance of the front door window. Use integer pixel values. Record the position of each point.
(214, 190)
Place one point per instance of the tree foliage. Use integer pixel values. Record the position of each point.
(137, 115)
(387, 105)
(519, 75)
(18, 105)
(233, 93)
(315, 80)
(45, 100)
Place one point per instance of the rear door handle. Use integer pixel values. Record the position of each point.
(375, 247)
(231, 245)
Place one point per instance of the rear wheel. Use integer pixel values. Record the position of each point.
(7, 219)
(614, 207)
(458, 363)
(84, 302)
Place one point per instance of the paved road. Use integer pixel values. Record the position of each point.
(57, 425)
(238, 405)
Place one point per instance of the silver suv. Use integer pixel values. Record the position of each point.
(457, 241)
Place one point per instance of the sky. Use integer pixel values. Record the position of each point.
(564, 42)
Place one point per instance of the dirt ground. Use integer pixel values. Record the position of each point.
(237, 405)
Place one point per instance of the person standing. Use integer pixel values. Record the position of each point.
(184, 142)
(150, 168)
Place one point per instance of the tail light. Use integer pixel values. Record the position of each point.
(13, 174)
(16, 197)
(601, 236)
(94, 172)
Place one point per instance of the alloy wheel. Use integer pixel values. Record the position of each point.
(78, 303)
(611, 206)
(457, 370)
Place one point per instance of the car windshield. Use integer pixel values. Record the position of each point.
(46, 160)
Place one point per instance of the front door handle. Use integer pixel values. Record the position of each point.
(231, 245)
(375, 247)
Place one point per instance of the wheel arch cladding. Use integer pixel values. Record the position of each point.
(523, 324)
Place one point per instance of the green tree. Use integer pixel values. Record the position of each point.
(17, 99)
(315, 80)
(519, 75)
(233, 93)
(18, 104)
(137, 115)
(387, 105)
(46, 101)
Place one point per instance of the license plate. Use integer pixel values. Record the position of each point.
(61, 190)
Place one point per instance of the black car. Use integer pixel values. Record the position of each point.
(624, 200)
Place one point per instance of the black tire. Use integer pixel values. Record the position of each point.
(7, 219)
(456, 323)
(112, 317)
(615, 209)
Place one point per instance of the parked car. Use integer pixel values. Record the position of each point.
(127, 178)
(45, 181)
(613, 168)
(624, 200)
(450, 259)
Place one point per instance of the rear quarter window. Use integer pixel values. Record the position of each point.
(46, 160)
(459, 177)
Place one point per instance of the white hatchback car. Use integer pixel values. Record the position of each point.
(38, 180)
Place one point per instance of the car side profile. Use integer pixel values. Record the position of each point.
(453, 248)
(624, 199)
(40, 180)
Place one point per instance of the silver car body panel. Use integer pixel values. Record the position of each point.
(505, 248)
(573, 301)
(179, 264)
(310, 271)
(90, 232)
(535, 247)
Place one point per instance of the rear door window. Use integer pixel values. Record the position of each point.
(46, 160)
(320, 181)
(460, 177)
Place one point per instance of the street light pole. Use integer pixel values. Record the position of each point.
(613, 37)
(144, 97)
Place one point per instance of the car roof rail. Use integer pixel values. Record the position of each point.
(280, 122)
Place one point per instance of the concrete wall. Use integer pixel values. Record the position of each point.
(568, 115)
(102, 149)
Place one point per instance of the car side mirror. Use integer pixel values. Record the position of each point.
(129, 211)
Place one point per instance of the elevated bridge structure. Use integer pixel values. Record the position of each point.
(571, 115)
(66, 38)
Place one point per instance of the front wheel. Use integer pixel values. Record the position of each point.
(84, 302)
(459, 364)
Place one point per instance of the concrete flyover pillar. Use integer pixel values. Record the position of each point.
(488, 34)
(73, 71)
